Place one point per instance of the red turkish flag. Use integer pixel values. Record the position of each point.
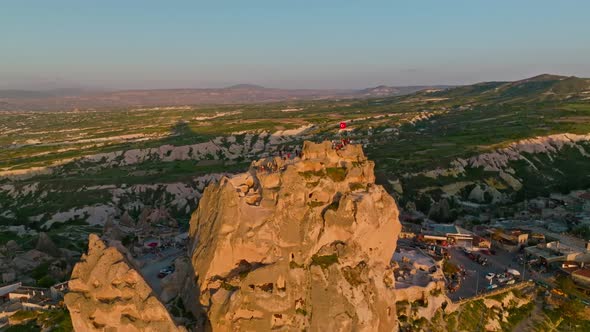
(342, 125)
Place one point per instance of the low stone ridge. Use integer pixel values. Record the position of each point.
(108, 294)
(301, 244)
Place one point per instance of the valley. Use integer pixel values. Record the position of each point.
(482, 157)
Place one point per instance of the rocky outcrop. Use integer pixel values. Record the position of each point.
(500, 158)
(108, 294)
(173, 284)
(305, 246)
(46, 245)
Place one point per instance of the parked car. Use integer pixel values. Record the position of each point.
(167, 269)
(502, 280)
(510, 282)
(490, 276)
(492, 286)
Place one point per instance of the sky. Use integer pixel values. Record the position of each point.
(120, 44)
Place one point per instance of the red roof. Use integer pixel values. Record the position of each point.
(582, 273)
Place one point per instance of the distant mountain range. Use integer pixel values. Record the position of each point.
(540, 88)
(69, 99)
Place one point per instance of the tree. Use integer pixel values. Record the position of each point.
(46, 282)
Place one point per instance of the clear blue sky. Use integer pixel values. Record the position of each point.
(296, 43)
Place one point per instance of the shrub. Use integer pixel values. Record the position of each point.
(315, 204)
(356, 186)
(46, 282)
(301, 311)
(40, 271)
(24, 314)
(229, 287)
(308, 175)
(337, 174)
(449, 268)
(324, 261)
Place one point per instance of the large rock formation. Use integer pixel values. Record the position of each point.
(108, 294)
(45, 244)
(306, 246)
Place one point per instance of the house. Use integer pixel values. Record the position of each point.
(509, 239)
(581, 277)
(6, 290)
(481, 242)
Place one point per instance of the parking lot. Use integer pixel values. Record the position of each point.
(153, 264)
(475, 278)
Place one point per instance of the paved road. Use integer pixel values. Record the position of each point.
(153, 265)
(497, 264)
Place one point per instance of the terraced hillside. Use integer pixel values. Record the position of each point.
(489, 143)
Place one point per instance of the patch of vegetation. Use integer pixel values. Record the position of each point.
(333, 206)
(436, 292)
(449, 268)
(7, 236)
(516, 315)
(472, 315)
(357, 186)
(30, 326)
(420, 303)
(46, 282)
(354, 275)
(229, 287)
(568, 286)
(58, 320)
(40, 271)
(24, 315)
(337, 174)
(301, 311)
(312, 184)
(294, 265)
(314, 204)
(177, 309)
(308, 175)
(324, 261)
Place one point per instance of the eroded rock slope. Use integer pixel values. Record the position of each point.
(108, 294)
(304, 246)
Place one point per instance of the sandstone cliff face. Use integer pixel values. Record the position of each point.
(108, 294)
(307, 246)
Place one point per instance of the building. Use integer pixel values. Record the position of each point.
(559, 252)
(481, 242)
(513, 236)
(409, 230)
(510, 240)
(447, 234)
(581, 277)
(6, 290)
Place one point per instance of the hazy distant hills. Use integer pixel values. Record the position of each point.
(535, 89)
(14, 100)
